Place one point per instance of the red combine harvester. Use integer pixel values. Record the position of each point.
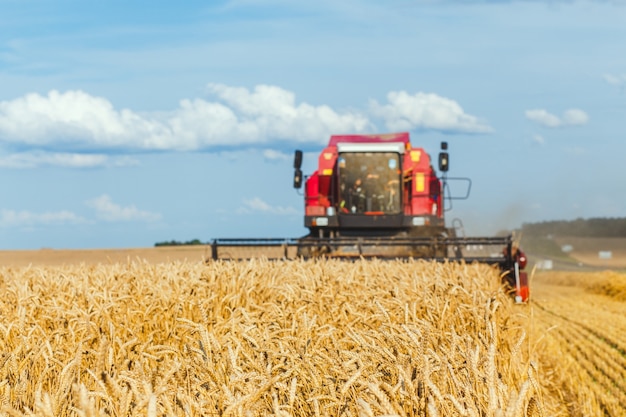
(377, 196)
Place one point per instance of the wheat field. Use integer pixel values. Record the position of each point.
(579, 320)
(307, 338)
(286, 338)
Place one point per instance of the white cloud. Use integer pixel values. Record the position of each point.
(73, 119)
(575, 117)
(539, 139)
(107, 210)
(270, 112)
(257, 205)
(617, 80)
(12, 218)
(543, 118)
(274, 155)
(426, 111)
(78, 121)
(75, 123)
(571, 117)
(69, 160)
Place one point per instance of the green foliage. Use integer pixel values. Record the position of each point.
(545, 247)
(594, 227)
(177, 243)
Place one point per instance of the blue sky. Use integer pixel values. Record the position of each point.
(127, 123)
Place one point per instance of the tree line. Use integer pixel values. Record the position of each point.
(593, 227)
(179, 243)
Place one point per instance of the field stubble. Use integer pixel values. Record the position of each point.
(266, 338)
(579, 320)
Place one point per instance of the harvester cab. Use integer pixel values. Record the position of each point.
(379, 186)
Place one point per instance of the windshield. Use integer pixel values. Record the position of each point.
(369, 182)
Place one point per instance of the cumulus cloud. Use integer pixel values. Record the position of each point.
(272, 112)
(77, 121)
(12, 218)
(257, 205)
(543, 118)
(109, 211)
(618, 80)
(73, 119)
(571, 117)
(69, 160)
(426, 111)
(539, 139)
(575, 117)
(274, 155)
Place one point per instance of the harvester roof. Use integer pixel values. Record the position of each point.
(402, 137)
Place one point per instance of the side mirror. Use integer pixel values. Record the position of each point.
(297, 164)
(297, 178)
(297, 159)
(444, 158)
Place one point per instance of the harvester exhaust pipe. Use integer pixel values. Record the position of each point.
(297, 164)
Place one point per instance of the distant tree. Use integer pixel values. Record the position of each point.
(168, 243)
(178, 243)
(593, 227)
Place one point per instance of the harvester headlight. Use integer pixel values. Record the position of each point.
(419, 221)
(320, 221)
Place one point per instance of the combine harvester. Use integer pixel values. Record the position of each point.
(376, 196)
